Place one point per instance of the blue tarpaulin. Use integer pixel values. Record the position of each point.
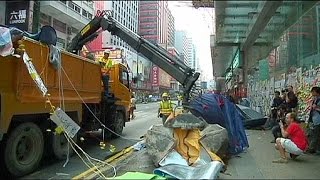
(217, 109)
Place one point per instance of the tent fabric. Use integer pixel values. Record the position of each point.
(217, 109)
(188, 143)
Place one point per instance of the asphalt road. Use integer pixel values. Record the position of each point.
(255, 163)
(146, 116)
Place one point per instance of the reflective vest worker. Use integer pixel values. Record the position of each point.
(105, 61)
(165, 107)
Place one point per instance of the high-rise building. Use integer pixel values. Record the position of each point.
(153, 21)
(190, 51)
(194, 64)
(171, 29)
(126, 13)
(66, 17)
(180, 43)
(156, 24)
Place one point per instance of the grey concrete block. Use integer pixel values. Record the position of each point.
(214, 138)
(159, 142)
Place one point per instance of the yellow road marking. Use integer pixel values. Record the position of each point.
(114, 163)
(128, 150)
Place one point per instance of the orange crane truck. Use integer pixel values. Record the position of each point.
(26, 132)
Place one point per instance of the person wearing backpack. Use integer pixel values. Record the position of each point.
(314, 122)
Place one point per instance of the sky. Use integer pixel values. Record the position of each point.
(198, 23)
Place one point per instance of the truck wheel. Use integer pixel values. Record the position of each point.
(117, 125)
(24, 149)
(60, 146)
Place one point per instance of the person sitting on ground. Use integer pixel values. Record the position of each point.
(294, 142)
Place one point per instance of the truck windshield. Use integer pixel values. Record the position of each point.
(124, 77)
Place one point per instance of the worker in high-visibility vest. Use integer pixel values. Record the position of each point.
(106, 63)
(165, 108)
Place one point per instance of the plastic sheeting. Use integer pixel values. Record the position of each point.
(6, 47)
(217, 109)
(207, 171)
(55, 56)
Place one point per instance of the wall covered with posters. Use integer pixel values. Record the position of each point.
(261, 93)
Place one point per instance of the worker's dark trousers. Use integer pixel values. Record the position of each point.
(276, 131)
(105, 80)
(164, 118)
(314, 138)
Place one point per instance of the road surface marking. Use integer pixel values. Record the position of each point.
(112, 159)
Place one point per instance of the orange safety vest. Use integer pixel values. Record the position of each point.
(166, 107)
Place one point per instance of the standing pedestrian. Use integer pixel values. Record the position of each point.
(165, 108)
(132, 107)
(314, 122)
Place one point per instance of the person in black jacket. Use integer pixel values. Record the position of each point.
(276, 130)
(277, 101)
(291, 99)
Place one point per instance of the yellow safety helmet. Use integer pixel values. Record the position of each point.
(107, 51)
(165, 95)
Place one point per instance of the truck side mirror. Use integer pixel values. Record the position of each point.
(135, 80)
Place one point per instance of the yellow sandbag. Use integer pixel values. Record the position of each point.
(188, 144)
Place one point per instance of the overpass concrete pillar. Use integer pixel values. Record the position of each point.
(220, 84)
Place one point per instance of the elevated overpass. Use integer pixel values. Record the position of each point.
(246, 31)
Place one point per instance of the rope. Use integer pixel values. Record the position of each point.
(70, 140)
(130, 139)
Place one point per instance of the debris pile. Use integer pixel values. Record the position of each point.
(187, 147)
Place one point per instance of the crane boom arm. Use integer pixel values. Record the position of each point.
(156, 54)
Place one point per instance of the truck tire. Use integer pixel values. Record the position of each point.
(24, 149)
(60, 146)
(117, 124)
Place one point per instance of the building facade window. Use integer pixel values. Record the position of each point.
(64, 2)
(84, 13)
(74, 7)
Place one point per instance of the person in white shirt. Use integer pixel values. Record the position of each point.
(132, 107)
